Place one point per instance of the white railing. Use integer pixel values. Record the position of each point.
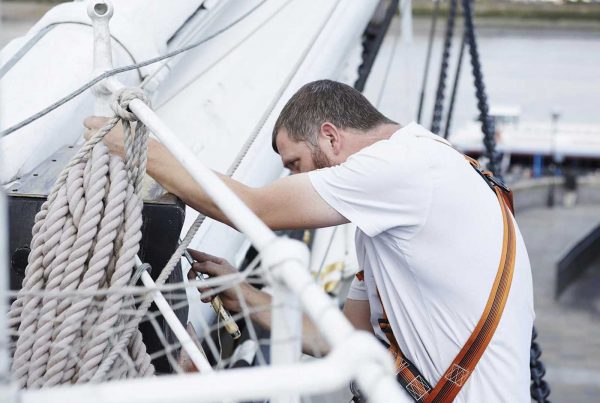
(354, 355)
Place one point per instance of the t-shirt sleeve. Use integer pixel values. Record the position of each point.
(381, 187)
(358, 290)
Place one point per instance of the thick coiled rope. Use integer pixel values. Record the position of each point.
(85, 239)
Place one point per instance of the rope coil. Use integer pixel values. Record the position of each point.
(85, 238)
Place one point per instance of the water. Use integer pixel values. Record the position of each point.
(541, 69)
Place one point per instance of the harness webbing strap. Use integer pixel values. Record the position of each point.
(463, 365)
(407, 374)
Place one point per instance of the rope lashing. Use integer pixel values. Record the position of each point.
(85, 239)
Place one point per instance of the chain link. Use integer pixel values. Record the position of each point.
(539, 388)
(487, 123)
(438, 108)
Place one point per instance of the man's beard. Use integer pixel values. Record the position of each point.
(319, 158)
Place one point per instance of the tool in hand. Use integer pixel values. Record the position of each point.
(230, 326)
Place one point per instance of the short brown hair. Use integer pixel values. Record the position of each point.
(326, 101)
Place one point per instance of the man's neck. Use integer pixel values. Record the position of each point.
(381, 132)
(364, 139)
(386, 131)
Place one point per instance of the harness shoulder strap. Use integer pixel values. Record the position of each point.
(463, 365)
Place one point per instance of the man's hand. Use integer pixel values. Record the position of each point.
(114, 139)
(214, 267)
(255, 299)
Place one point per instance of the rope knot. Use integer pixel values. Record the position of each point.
(120, 105)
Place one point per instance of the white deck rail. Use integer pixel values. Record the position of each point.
(354, 354)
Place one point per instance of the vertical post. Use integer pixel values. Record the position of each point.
(100, 13)
(286, 331)
(286, 314)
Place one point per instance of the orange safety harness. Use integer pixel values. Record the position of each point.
(463, 365)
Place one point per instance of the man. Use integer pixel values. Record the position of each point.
(429, 235)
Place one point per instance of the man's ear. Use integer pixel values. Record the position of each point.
(332, 135)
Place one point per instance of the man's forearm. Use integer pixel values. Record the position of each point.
(168, 171)
(259, 303)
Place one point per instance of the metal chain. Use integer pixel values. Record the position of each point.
(436, 10)
(539, 388)
(438, 108)
(454, 88)
(487, 123)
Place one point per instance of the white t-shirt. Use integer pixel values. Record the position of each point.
(429, 238)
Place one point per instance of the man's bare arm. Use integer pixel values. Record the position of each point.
(287, 203)
(358, 313)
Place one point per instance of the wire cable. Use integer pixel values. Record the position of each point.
(119, 70)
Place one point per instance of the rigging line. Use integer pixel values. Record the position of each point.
(269, 110)
(166, 63)
(321, 266)
(123, 69)
(217, 61)
(388, 69)
(455, 87)
(436, 11)
(23, 50)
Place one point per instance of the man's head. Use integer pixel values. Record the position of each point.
(323, 124)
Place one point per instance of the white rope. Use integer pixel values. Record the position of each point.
(85, 237)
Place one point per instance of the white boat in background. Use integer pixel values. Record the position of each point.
(553, 139)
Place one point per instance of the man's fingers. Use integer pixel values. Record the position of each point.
(210, 268)
(95, 122)
(88, 133)
(203, 290)
(205, 257)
